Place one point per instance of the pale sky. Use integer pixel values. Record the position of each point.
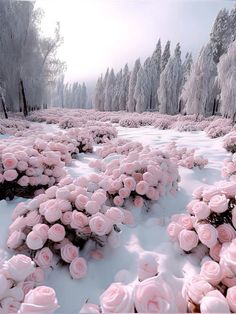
(108, 33)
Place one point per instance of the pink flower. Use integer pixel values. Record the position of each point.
(197, 193)
(92, 207)
(9, 305)
(215, 252)
(18, 224)
(115, 215)
(19, 210)
(226, 233)
(128, 217)
(52, 213)
(117, 299)
(231, 298)
(69, 252)
(37, 275)
(130, 184)
(186, 221)
(78, 220)
(78, 268)
(196, 287)
(124, 192)
(10, 175)
(188, 240)
(19, 267)
(42, 230)
(9, 163)
(209, 192)
(173, 230)
(214, 302)
(39, 300)
(16, 239)
(81, 201)
(23, 181)
(147, 266)
(99, 198)
(211, 272)
(218, 203)
(138, 201)
(44, 258)
(56, 233)
(190, 205)
(154, 295)
(201, 210)
(207, 234)
(152, 194)
(34, 241)
(51, 192)
(228, 256)
(142, 187)
(33, 218)
(66, 218)
(100, 224)
(227, 188)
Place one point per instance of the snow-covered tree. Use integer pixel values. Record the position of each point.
(199, 91)
(186, 68)
(132, 83)
(227, 81)
(142, 91)
(117, 90)
(165, 56)
(109, 91)
(155, 76)
(83, 97)
(170, 84)
(98, 95)
(124, 89)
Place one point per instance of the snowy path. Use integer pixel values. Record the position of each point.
(149, 233)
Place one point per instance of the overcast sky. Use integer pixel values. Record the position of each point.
(108, 33)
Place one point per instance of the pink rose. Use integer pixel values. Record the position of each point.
(5, 285)
(78, 220)
(16, 239)
(118, 201)
(100, 224)
(33, 218)
(22, 165)
(63, 193)
(154, 295)
(42, 230)
(9, 163)
(78, 268)
(201, 210)
(142, 187)
(37, 276)
(197, 193)
(209, 192)
(18, 224)
(118, 298)
(190, 205)
(207, 234)
(9, 305)
(115, 215)
(226, 233)
(27, 286)
(147, 266)
(152, 194)
(228, 255)
(66, 218)
(186, 221)
(39, 300)
(81, 201)
(10, 175)
(53, 213)
(56, 233)
(69, 252)
(227, 188)
(138, 202)
(231, 298)
(51, 192)
(92, 207)
(188, 240)
(129, 183)
(214, 302)
(19, 267)
(218, 203)
(124, 192)
(196, 287)
(34, 241)
(215, 251)
(99, 197)
(19, 210)
(44, 258)
(23, 181)
(211, 272)
(173, 230)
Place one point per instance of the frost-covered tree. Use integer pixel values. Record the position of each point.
(220, 34)
(165, 56)
(232, 20)
(98, 95)
(199, 91)
(109, 90)
(186, 68)
(170, 84)
(124, 89)
(142, 91)
(132, 83)
(155, 72)
(83, 97)
(227, 81)
(117, 90)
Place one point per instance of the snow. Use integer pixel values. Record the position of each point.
(149, 233)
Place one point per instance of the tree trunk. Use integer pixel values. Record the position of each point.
(234, 116)
(214, 107)
(180, 105)
(25, 108)
(4, 107)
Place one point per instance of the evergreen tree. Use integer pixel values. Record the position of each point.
(165, 56)
(132, 83)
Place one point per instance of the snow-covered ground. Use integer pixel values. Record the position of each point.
(149, 233)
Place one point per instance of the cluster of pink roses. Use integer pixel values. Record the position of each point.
(230, 142)
(219, 127)
(229, 168)
(24, 169)
(11, 126)
(102, 134)
(185, 157)
(141, 176)
(19, 288)
(61, 221)
(119, 146)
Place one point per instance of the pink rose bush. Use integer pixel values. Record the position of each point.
(185, 157)
(229, 168)
(55, 226)
(230, 142)
(20, 290)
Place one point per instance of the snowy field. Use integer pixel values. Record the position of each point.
(149, 231)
